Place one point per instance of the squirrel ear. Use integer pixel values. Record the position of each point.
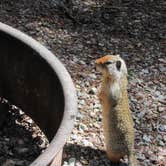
(118, 65)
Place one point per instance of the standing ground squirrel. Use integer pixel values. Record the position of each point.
(117, 119)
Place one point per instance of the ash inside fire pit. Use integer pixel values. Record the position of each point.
(21, 140)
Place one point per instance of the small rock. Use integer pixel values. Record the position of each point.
(73, 137)
(29, 120)
(22, 150)
(161, 109)
(78, 164)
(82, 102)
(96, 105)
(72, 161)
(92, 114)
(9, 162)
(147, 138)
(87, 143)
(82, 62)
(161, 143)
(161, 97)
(96, 110)
(7, 139)
(96, 125)
(65, 164)
(141, 156)
(146, 71)
(85, 162)
(153, 158)
(162, 69)
(83, 126)
(93, 91)
(157, 93)
(20, 163)
(79, 116)
(164, 138)
(93, 76)
(162, 128)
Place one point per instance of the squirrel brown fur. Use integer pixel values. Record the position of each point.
(117, 118)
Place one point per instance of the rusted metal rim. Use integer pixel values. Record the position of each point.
(70, 108)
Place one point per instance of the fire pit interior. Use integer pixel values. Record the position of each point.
(29, 82)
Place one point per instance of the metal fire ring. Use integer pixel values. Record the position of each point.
(69, 92)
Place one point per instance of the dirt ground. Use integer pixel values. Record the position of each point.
(84, 31)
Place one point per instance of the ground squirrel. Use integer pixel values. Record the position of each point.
(117, 119)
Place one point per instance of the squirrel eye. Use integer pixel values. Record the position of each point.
(108, 63)
(118, 65)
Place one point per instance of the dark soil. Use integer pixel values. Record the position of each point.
(21, 140)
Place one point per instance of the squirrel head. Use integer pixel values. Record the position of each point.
(112, 66)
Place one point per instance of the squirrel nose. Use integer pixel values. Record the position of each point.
(100, 67)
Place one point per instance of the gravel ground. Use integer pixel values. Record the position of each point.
(133, 29)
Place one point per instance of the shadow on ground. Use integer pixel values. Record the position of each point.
(125, 27)
(87, 156)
